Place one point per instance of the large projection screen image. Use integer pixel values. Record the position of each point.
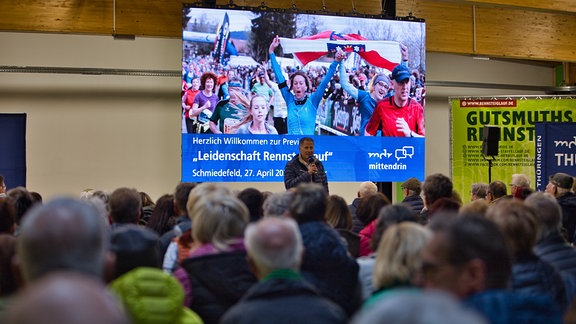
(255, 82)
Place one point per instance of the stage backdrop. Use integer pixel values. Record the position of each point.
(516, 117)
(234, 42)
(555, 151)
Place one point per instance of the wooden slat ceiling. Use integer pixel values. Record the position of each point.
(522, 29)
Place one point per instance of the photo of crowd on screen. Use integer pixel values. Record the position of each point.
(226, 61)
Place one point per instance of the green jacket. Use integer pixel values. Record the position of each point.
(151, 296)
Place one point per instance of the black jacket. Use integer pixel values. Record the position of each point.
(531, 275)
(296, 173)
(280, 300)
(568, 204)
(218, 282)
(328, 266)
(414, 202)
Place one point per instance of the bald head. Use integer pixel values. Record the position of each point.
(65, 298)
(64, 234)
(273, 243)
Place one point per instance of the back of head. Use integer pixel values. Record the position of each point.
(548, 212)
(470, 237)
(518, 222)
(181, 196)
(370, 206)
(479, 190)
(274, 243)
(163, 216)
(65, 298)
(367, 188)
(497, 189)
(253, 199)
(201, 190)
(478, 206)
(125, 206)
(309, 203)
(444, 204)
(134, 246)
(218, 218)
(520, 180)
(398, 254)
(278, 204)
(338, 214)
(388, 216)
(436, 186)
(21, 200)
(64, 234)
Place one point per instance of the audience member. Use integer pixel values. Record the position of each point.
(125, 207)
(398, 259)
(388, 216)
(435, 186)
(64, 234)
(478, 191)
(551, 246)
(530, 274)
(22, 201)
(560, 186)
(443, 204)
(147, 208)
(216, 274)
(411, 189)
(326, 263)
(65, 298)
(496, 191)
(253, 199)
(469, 257)
(339, 218)
(518, 183)
(36, 197)
(367, 213)
(147, 293)
(181, 246)
(478, 206)
(274, 251)
(133, 246)
(183, 222)
(7, 217)
(163, 217)
(278, 204)
(366, 188)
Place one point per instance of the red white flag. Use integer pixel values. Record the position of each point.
(384, 54)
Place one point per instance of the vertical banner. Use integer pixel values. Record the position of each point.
(516, 117)
(255, 81)
(13, 149)
(555, 151)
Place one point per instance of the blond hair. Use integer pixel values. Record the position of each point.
(398, 254)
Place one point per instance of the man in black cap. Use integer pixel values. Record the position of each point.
(399, 115)
(560, 185)
(411, 189)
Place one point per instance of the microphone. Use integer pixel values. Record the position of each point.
(310, 159)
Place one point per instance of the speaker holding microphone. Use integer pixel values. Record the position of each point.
(491, 136)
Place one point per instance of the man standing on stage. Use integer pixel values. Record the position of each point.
(304, 167)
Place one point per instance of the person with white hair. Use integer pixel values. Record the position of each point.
(365, 189)
(274, 253)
